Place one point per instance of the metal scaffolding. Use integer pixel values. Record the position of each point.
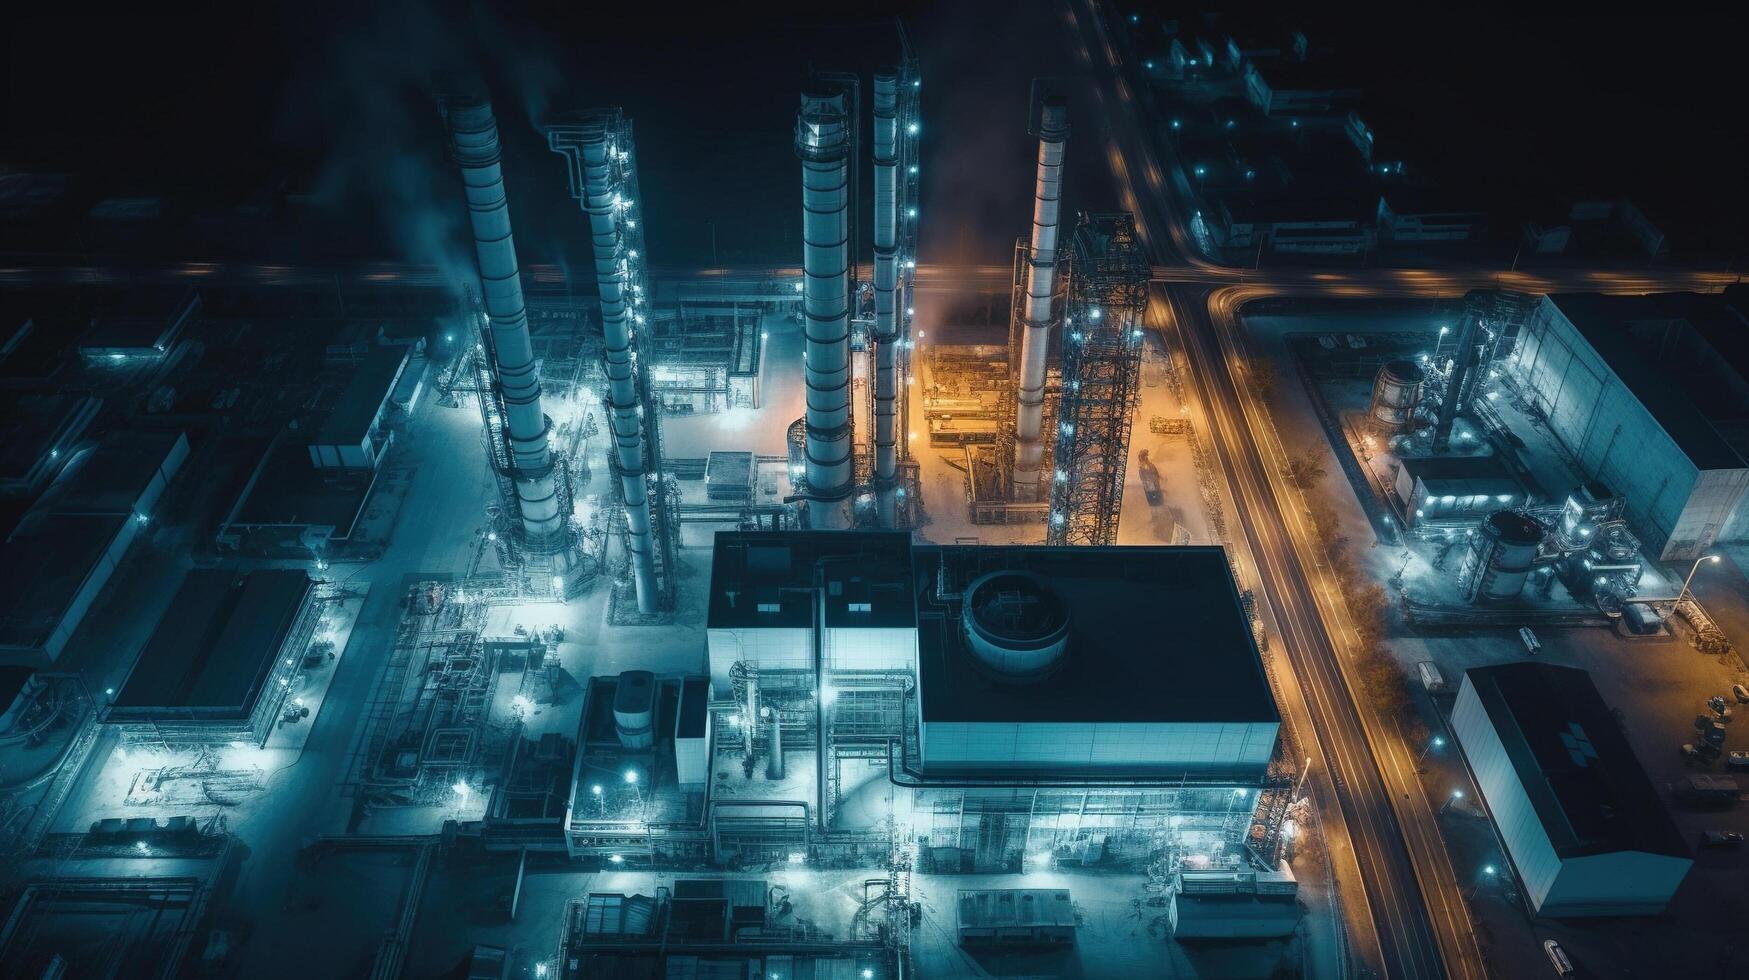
(602, 170)
(1102, 360)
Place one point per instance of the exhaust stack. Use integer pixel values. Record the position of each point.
(586, 149)
(823, 143)
(1041, 282)
(886, 279)
(473, 134)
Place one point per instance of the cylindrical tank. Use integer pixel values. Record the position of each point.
(1395, 393)
(1015, 626)
(634, 709)
(1615, 543)
(1502, 551)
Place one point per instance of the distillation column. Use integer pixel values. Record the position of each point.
(473, 136)
(1041, 281)
(886, 277)
(586, 148)
(823, 143)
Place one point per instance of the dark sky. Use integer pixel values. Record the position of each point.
(334, 99)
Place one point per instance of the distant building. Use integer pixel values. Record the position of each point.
(1648, 394)
(1584, 828)
(1419, 215)
(1306, 223)
(1287, 88)
(58, 559)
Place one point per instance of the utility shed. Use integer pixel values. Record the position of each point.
(1218, 905)
(1583, 825)
(57, 560)
(1648, 393)
(352, 437)
(1443, 488)
(216, 666)
(1016, 917)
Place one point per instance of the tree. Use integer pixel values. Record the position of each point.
(1306, 469)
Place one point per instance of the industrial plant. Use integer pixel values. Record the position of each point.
(547, 493)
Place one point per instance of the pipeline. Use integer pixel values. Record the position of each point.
(586, 148)
(1041, 281)
(886, 269)
(473, 136)
(823, 143)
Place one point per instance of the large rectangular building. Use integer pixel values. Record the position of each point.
(218, 666)
(1648, 394)
(1583, 825)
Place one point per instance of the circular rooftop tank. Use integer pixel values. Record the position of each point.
(1016, 626)
(1513, 528)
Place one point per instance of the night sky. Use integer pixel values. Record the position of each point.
(334, 100)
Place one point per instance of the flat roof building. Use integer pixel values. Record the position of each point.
(353, 437)
(1648, 394)
(1583, 825)
(57, 560)
(1137, 660)
(217, 666)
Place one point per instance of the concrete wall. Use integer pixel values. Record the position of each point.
(1619, 883)
(1532, 854)
(1624, 883)
(1616, 440)
(1209, 747)
(855, 648)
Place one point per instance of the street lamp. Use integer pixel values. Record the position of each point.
(1696, 567)
(1456, 795)
(1438, 741)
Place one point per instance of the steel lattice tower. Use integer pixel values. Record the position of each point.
(1101, 375)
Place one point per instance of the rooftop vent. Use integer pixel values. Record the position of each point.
(1016, 626)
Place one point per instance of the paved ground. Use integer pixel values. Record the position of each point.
(1657, 688)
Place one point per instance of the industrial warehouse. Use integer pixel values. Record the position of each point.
(1076, 490)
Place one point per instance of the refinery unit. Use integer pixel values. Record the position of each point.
(866, 694)
(549, 602)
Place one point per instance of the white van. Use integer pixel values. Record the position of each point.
(1558, 958)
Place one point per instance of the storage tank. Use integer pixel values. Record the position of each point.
(634, 709)
(1502, 551)
(1395, 393)
(1015, 626)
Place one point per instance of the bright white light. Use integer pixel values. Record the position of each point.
(798, 287)
(632, 776)
(1488, 869)
(617, 859)
(540, 969)
(797, 857)
(1457, 794)
(910, 263)
(910, 212)
(910, 311)
(558, 582)
(735, 719)
(1444, 330)
(764, 335)
(595, 790)
(140, 846)
(913, 129)
(462, 789)
(1097, 313)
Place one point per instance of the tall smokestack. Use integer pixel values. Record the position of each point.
(1041, 280)
(587, 148)
(774, 765)
(473, 137)
(886, 278)
(823, 143)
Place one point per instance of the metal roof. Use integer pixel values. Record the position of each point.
(1573, 760)
(1156, 634)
